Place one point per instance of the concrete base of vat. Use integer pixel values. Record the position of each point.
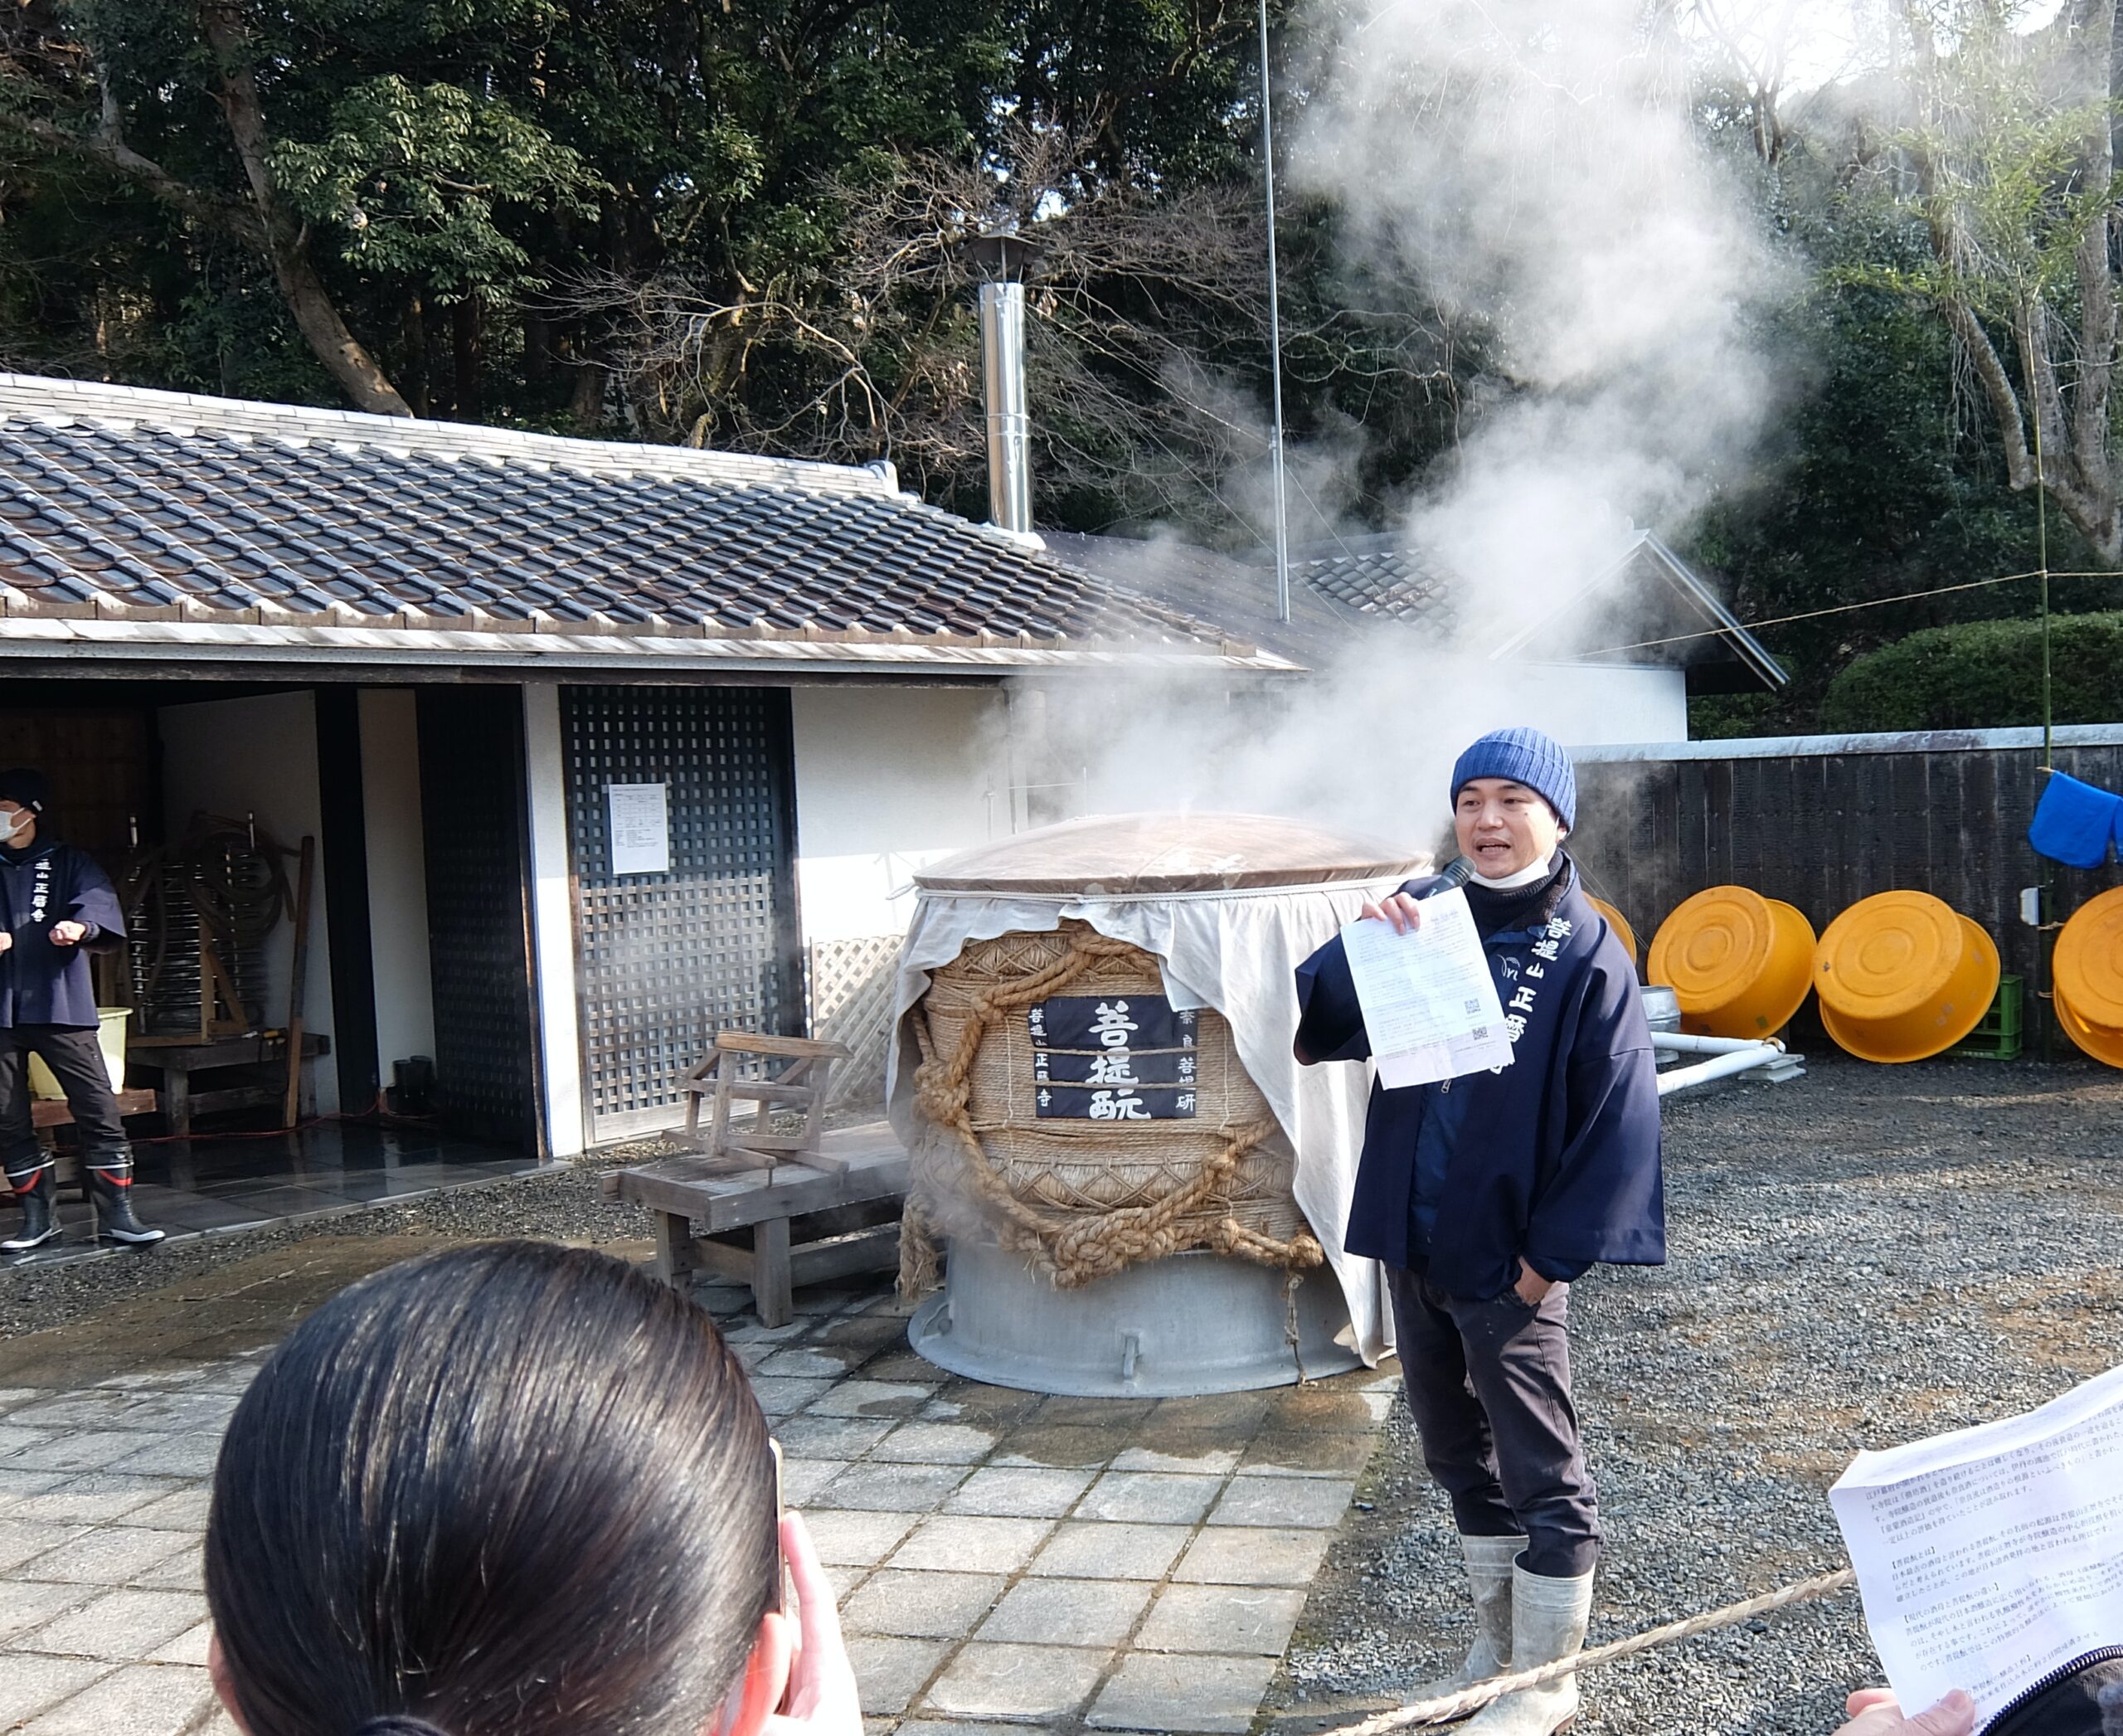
(1166, 1329)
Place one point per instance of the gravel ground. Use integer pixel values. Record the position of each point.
(1862, 1257)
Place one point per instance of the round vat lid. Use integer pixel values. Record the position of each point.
(1110, 854)
(1619, 922)
(1889, 955)
(2089, 964)
(1738, 962)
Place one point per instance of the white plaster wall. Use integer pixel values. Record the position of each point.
(888, 779)
(397, 876)
(553, 925)
(1593, 705)
(259, 756)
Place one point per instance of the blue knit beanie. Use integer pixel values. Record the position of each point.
(1525, 756)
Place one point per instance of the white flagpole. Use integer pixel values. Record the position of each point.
(1275, 334)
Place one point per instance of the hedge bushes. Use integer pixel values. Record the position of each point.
(1984, 675)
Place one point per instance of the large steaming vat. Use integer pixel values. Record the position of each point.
(1132, 1176)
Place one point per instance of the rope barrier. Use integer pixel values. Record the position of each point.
(1467, 1701)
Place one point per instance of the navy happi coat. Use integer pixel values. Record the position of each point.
(1555, 1158)
(42, 984)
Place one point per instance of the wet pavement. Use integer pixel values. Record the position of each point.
(188, 1188)
(1004, 1560)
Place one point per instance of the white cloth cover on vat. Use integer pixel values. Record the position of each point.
(1232, 947)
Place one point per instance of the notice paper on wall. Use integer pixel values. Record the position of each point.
(1991, 1558)
(640, 815)
(1429, 1005)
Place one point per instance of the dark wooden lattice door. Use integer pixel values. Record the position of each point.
(472, 812)
(664, 961)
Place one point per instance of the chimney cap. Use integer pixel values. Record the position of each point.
(1002, 252)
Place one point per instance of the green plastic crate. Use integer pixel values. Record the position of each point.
(1998, 1038)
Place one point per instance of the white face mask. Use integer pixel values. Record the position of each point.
(13, 825)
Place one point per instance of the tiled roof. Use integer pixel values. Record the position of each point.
(1380, 576)
(155, 505)
(1207, 585)
(1641, 603)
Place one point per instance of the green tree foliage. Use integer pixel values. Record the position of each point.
(718, 220)
(1886, 475)
(1984, 675)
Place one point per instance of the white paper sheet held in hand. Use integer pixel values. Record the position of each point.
(1429, 1005)
(1991, 1558)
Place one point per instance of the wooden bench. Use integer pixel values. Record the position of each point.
(53, 1112)
(262, 1081)
(754, 1220)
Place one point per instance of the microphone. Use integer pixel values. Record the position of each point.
(1454, 874)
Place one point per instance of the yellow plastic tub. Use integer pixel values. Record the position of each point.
(1903, 975)
(1740, 964)
(110, 1038)
(1619, 923)
(2088, 976)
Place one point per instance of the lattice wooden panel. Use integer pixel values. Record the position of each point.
(664, 961)
(851, 995)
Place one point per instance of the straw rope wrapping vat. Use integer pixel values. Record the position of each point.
(1084, 1209)
(1094, 1073)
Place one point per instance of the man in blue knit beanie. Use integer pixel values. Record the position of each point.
(1486, 1196)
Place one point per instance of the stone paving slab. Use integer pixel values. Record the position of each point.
(987, 1679)
(921, 1606)
(1005, 1561)
(1150, 1692)
(139, 1700)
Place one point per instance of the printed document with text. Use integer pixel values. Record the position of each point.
(1429, 1005)
(1991, 1557)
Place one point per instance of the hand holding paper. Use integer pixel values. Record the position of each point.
(1429, 1005)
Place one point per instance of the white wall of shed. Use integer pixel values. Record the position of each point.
(398, 875)
(554, 1004)
(1588, 704)
(888, 779)
(257, 755)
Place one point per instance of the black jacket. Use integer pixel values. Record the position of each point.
(42, 984)
(1555, 1157)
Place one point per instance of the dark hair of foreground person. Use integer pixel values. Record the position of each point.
(509, 1489)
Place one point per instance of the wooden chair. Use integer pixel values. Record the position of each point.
(800, 1088)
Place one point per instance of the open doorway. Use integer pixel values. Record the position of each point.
(295, 893)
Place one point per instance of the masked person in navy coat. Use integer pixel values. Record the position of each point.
(56, 906)
(1486, 1196)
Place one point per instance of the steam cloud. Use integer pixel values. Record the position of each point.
(1532, 167)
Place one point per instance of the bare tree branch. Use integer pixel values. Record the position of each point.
(108, 151)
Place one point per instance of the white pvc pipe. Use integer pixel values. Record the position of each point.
(1681, 1044)
(1718, 1067)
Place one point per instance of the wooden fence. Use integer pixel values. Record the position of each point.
(1822, 821)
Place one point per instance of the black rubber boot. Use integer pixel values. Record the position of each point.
(39, 1199)
(114, 1220)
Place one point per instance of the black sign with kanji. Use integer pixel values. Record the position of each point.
(1113, 1057)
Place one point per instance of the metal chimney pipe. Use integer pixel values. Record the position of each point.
(1009, 423)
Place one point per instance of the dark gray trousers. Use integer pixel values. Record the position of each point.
(1489, 1383)
(75, 1059)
